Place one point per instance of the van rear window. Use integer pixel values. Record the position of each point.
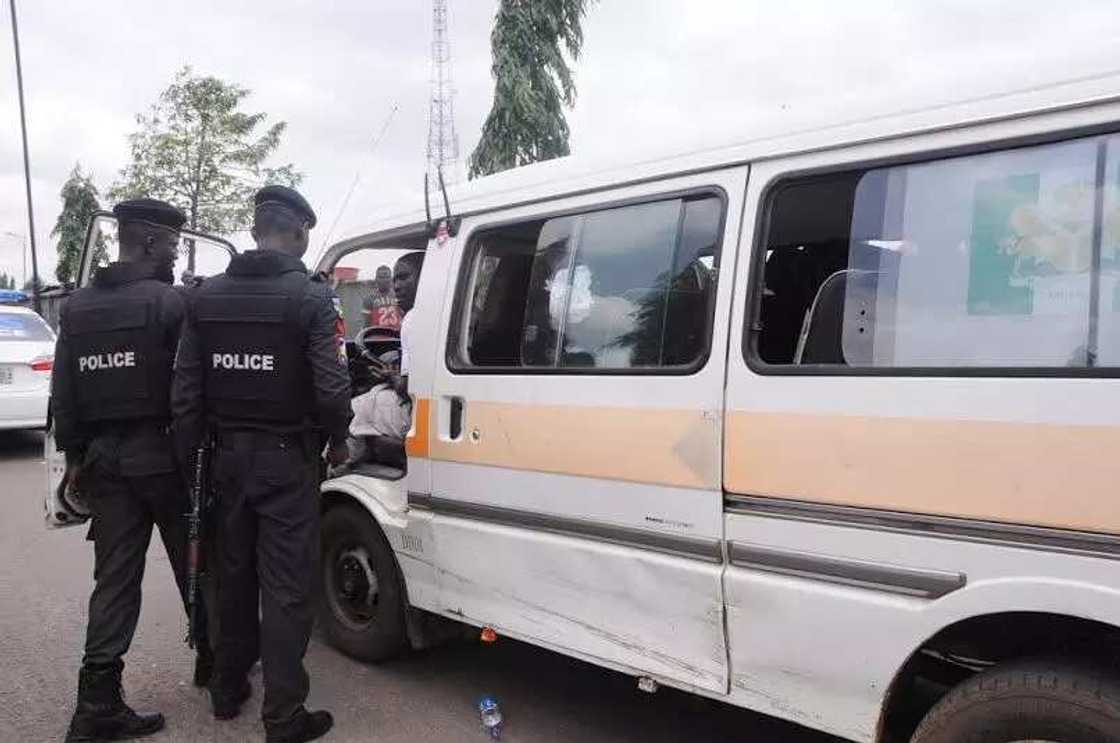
(626, 288)
(1003, 260)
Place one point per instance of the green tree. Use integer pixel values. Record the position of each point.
(532, 83)
(79, 202)
(196, 149)
(6, 281)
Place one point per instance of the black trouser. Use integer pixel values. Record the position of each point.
(268, 516)
(124, 510)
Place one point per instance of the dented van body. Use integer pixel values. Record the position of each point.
(817, 424)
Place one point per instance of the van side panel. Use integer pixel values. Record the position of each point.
(677, 447)
(823, 609)
(583, 510)
(625, 606)
(821, 616)
(926, 450)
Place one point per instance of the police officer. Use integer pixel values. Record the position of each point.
(262, 365)
(110, 401)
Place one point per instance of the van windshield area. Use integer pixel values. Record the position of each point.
(373, 315)
(624, 288)
(363, 282)
(1006, 259)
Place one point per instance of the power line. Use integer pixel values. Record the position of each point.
(354, 184)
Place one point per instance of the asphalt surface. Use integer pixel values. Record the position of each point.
(425, 697)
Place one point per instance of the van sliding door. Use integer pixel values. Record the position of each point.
(576, 425)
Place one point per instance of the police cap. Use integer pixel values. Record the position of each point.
(288, 198)
(152, 211)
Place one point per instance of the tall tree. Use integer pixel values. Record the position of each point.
(532, 83)
(79, 202)
(196, 149)
(6, 281)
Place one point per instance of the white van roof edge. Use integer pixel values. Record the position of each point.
(573, 175)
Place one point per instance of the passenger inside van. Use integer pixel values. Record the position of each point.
(379, 386)
(381, 417)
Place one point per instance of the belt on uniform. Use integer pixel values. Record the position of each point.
(233, 437)
(119, 428)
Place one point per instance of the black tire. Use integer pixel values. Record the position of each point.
(1030, 700)
(361, 597)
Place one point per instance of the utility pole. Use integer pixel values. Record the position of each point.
(26, 163)
(443, 142)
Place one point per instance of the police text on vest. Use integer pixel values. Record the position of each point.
(116, 360)
(243, 361)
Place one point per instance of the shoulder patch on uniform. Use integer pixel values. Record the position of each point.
(340, 332)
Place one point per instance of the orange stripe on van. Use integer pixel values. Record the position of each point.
(418, 444)
(655, 446)
(1061, 476)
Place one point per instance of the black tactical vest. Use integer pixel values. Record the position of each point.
(253, 347)
(119, 358)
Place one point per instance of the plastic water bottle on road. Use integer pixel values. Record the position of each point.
(491, 716)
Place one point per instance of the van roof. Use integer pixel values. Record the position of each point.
(575, 174)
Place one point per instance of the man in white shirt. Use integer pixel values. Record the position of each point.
(381, 421)
(406, 277)
(383, 415)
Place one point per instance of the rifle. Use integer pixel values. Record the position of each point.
(194, 540)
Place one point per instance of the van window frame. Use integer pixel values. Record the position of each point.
(753, 301)
(463, 281)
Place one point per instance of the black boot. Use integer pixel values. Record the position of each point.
(227, 701)
(304, 727)
(203, 665)
(101, 714)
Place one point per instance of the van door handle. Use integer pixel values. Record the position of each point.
(451, 418)
(456, 429)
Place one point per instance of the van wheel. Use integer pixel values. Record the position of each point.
(1035, 701)
(361, 604)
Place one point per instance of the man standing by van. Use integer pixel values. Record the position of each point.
(109, 398)
(263, 361)
(406, 279)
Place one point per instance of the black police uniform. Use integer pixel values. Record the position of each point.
(261, 363)
(110, 402)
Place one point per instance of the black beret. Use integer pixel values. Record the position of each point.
(288, 198)
(150, 210)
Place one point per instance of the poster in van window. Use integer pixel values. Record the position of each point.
(996, 283)
(1032, 248)
(1110, 238)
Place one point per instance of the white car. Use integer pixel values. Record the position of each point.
(26, 360)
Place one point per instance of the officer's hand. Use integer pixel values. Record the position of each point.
(73, 476)
(338, 454)
(399, 385)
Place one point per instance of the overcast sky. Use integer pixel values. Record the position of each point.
(654, 74)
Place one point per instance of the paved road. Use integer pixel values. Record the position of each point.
(425, 697)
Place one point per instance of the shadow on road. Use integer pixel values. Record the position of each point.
(20, 445)
(574, 700)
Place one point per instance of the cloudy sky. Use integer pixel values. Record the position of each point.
(654, 75)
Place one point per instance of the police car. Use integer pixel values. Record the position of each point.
(26, 360)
